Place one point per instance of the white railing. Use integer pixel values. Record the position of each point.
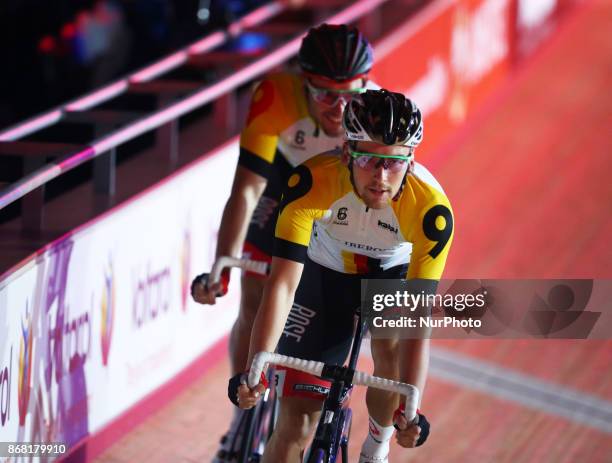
(209, 93)
(144, 75)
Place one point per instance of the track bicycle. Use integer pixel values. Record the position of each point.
(333, 430)
(332, 435)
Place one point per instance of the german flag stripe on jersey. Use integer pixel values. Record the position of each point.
(348, 259)
(361, 263)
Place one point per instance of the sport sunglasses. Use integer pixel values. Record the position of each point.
(371, 161)
(331, 97)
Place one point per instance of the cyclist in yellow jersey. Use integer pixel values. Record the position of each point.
(291, 118)
(370, 213)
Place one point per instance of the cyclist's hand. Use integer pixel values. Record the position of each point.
(241, 395)
(207, 294)
(247, 398)
(410, 435)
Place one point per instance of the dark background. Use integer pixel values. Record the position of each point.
(55, 50)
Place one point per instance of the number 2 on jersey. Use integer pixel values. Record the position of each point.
(431, 230)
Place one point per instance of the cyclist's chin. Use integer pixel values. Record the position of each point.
(332, 128)
(378, 201)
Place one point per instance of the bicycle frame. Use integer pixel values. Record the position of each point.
(335, 423)
(334, 426)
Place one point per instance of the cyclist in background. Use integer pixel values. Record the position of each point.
(367, 214)
(291, 118)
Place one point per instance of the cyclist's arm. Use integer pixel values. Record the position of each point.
(246, 191)
(301, 206)
(258, 142)
(414, 362)
(275, 305)
(431, 237)
(414, 353)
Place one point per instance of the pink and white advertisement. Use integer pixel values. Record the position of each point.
(103, 316)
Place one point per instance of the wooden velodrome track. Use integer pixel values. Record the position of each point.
(529, 181)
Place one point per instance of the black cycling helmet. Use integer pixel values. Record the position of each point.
(384, 117)
(338, 52)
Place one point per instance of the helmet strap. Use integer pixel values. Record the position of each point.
(399, 192)
(350, 168)
(352, 145)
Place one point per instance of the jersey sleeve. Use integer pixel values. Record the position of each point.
(306, 198)
(432, 236)
(259, 138)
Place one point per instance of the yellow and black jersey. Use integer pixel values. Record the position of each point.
(322, 217)
(279, 132)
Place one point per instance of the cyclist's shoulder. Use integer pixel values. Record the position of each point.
(424, 187)
(426, 219)
(325, 167)
(283, 80)
(285, 87)
(319, 177)
(324, 161)
(278, 98)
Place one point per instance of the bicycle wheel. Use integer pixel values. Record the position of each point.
(345, 434)
(319, 456)
(246, 444)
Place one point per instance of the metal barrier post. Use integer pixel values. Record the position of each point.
(104, 175)
(167, 138)
(104, 166)
(32, 204)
